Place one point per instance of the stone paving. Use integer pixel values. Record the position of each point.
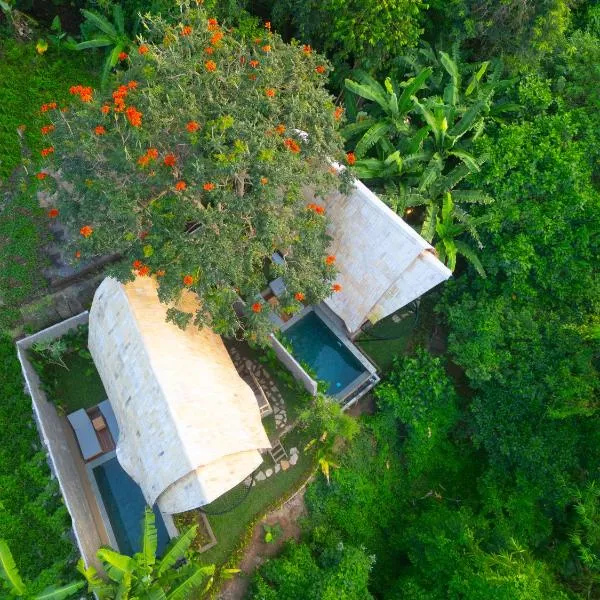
(282, 465)
(266, 382)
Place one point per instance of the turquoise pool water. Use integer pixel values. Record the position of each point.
(316, 345)
(125, 505)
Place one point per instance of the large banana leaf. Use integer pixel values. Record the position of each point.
(118, 18)
(371, 137)
(193, 581)
(124, 587)
(413, 85)
(431, 121)
(110, 62)
(117, 565)
(154, 593)
(471, 256)
(353, 129)
(101, 588)
(451, 68)
(95, 43)
(9, 571)
(177, 548)
(467, 158)
(60, 593)
(476, 78)
(371, 90)
(429, 223)
(471, 197)
(468, 120)
(99, 22)
(149, 539)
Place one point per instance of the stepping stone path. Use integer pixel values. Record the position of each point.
(266, 382)
(277, 404)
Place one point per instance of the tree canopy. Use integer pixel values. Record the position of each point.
(192, 167)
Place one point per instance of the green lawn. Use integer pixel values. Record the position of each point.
(79, 387)
(387, 339)
(230, 528)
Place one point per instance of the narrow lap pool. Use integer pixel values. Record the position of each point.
(124, 504)
(316, 345)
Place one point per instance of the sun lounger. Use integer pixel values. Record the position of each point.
(85, 434)
(111, 420)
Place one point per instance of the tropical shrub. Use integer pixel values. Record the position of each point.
(363, 34)
(193, 169)
(419, 394)
(143, 576)
(339, 572)
(17, 588)
(33, 521)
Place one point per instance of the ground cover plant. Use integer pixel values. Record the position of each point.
(29, 80)
(33, 521)
(67, 371)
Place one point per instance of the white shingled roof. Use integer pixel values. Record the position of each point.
(190, 428)
(383, 264)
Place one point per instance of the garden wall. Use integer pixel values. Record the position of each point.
(63, 455)
(293, 366)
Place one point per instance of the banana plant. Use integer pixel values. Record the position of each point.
(144, 577)
(386, 120)
(448, 228)
(17, 588)
(111, 36)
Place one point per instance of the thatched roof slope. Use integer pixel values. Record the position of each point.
(190, 428)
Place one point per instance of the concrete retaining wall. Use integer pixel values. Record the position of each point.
(293, 366)
(63, 462)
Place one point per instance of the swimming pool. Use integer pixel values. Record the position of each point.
(316, 345)
(124, 505)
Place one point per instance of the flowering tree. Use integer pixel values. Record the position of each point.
(192, 167)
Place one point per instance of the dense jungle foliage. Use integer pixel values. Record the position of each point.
(478, 475)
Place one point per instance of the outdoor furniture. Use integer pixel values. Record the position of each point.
(111, 420)
(99, 423)
(85, 434)
(264, 405)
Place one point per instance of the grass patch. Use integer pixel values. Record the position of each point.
(79, 387)
(75, 383)
(23, 233)
(230, 528)
(28, 80)
(387, 339)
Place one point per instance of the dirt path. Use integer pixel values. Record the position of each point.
(258, 550)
